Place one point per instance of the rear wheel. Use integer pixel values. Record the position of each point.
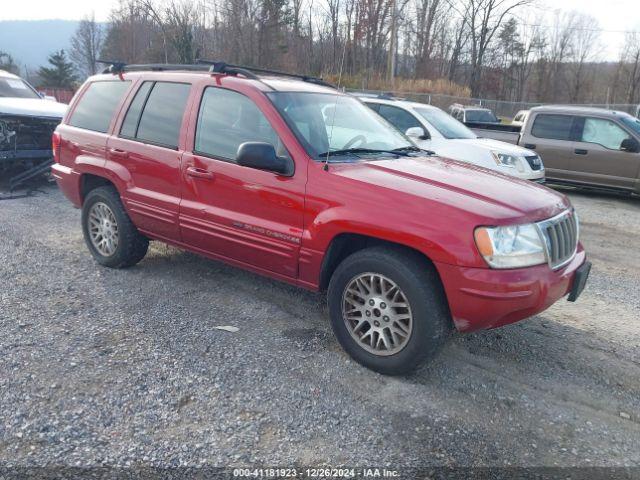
(112, 238)
(388, 309)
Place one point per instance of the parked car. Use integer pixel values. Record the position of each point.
(292, 179)
(582, 146)
(26, 124)
(432, 129)
(520, 118)
(472, 114)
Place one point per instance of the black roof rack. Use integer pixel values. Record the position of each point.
(223, 67)
(207, 66)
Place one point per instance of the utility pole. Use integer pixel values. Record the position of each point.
(391, 57)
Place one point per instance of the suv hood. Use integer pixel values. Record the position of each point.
(498, 146)
(32, 107)
(492, 197)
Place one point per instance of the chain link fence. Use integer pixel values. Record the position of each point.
(504, 109)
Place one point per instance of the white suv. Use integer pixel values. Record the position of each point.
(432, 129)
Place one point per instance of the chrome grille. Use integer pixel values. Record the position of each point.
(561, 238)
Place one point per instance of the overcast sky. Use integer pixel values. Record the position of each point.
(614, 16)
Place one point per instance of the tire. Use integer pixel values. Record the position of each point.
(128, 246)
(419, 285)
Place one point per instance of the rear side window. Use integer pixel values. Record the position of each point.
(555, 127)
(130, 124)
(155, 114)
(98, 104)
(228, 119)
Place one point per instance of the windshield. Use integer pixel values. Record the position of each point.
(326, 122)
(448, 126)
(481, 116)
(15, 87)
(632, 123)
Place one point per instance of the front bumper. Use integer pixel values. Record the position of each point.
(484, 298)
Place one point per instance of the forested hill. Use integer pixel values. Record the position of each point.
(30, 42)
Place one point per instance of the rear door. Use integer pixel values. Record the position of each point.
(146, 150)
(249, 216)
(597, 155)
(551, 136)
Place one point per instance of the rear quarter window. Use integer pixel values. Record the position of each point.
(552, 126)
(97, 105)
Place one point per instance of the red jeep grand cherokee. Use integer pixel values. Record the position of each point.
(292, 179)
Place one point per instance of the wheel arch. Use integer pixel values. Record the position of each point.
(346, 243)
(90, 181)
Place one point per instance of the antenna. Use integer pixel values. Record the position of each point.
(335, 107)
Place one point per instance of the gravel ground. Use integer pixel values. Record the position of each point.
(100, 366)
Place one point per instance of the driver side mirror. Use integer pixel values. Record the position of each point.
(417, 132)
(630, 145)
(262, 156)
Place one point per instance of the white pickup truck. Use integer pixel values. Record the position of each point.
(432, 129)
(27, 121)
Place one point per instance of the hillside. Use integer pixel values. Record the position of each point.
(31, 42)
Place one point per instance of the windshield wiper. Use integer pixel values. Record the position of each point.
(413, 148)
(356, 151)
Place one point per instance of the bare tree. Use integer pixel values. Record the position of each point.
(484, 18)
(86, 45)
(630, 58)
(584, 47)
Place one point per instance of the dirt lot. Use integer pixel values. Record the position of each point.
(125, 368)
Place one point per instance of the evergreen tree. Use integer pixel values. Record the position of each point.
(7, 63)
(61, 74)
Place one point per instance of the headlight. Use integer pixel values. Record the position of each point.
(505, 160)
(510, 247)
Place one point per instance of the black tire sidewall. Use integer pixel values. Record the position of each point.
(425, 297)
(106, 196)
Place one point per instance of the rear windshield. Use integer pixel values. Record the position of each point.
(98, 104)
(481, 116)
(555, 127)
(16, 88)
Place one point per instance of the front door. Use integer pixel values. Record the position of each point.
(248, 216)
(598, 158)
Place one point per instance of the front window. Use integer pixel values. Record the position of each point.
(603, 132)
(325, 122)
(481, 116)
(226, 120)
(448, 126)
(16, 88)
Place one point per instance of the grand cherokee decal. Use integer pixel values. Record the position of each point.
(268, 233)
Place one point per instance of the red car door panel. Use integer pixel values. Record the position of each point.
(244, 214)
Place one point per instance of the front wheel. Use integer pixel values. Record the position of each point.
(388, 309)
(111, 236)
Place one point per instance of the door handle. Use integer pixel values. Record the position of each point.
(530, 146)
(199, 173)
(580, 151)
(116, 152)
